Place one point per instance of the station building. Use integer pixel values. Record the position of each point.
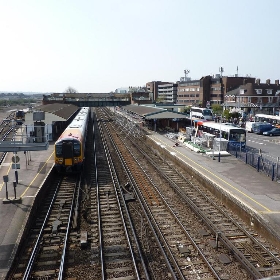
(168, 119)
(46, 122)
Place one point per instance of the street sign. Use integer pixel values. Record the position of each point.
(15, 166)
(15, 159)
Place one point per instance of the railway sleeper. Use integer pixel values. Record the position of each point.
(44, 263)
(121, 269)
(124, 256)
(46, 273)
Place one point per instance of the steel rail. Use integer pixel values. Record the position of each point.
(239, 256)
(180, 223)
(117, 188)
(153, 224)
(37, 245)
(103, 274)
(63, 256)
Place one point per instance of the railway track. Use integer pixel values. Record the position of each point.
(106, 222)
(238, 242)
(44, 253)
(172, 236)
(117, 256)
(7, 132)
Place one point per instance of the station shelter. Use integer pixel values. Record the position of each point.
(157, 119)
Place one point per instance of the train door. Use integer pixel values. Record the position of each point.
(67, 151)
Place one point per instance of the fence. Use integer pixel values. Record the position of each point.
(258, 161)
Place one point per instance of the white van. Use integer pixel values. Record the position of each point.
(249, 126)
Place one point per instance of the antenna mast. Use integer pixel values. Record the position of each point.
(221, 70)
(186, 74)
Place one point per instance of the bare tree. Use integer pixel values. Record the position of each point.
(71, 90)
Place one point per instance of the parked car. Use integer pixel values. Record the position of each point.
(273, 132)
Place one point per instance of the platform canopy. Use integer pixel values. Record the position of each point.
(149, 112)
(166, 115)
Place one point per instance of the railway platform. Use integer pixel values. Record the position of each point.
(254, 190)
(31, 168)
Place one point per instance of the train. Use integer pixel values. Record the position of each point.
(20, 117)
(70, 146)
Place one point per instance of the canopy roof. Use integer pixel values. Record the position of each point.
(149, 112)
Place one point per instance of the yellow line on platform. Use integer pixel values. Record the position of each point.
(214, 175)
(3, 183)
(269, 212)
(36, 175)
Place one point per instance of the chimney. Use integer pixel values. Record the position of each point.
(258, 81)
(277, 82)
(268, 81)
(244, 81)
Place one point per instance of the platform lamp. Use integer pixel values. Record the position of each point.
(219, 157)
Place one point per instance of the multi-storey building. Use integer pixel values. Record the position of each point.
(167, 93)
(152, 87)
(207, 90)
(253, 96)
(189, 92)
(230, 92)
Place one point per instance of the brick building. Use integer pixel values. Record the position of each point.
(230, 92)
(253, 97)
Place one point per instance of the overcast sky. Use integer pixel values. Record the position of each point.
(102, 45)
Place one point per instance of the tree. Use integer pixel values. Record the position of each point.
(70, 90)
(187, 109)
(217, 109)
(227, 114)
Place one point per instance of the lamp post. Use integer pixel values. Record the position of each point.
(219, 157)
(15, 153)
(191, 124)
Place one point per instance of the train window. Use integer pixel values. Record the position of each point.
(77, 148)
(58, 149)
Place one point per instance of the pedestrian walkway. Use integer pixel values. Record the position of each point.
(254, 191)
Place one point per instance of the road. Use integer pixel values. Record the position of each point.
(270, 146)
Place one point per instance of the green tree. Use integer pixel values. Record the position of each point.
(227, 114)
(217, 109)
(187, 109)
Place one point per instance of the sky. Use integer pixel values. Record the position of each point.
(98, 46)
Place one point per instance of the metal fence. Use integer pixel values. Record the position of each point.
(258, 161)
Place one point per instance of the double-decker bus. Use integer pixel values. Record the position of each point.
(201, 113)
